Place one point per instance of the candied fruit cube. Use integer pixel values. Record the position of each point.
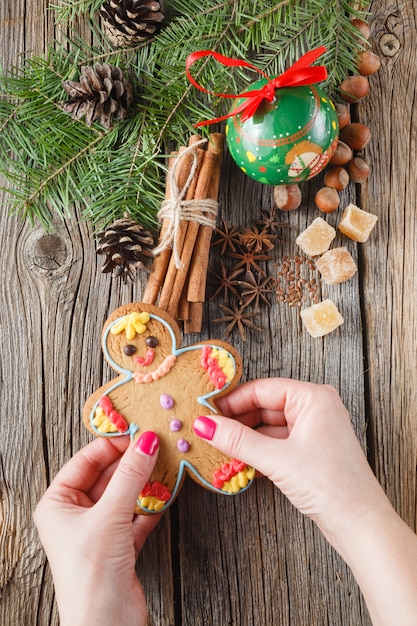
(336, 266)
(321, 318)
(356, 223)
(316, 238)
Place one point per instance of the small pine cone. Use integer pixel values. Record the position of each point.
(102, 94)
(127, 22)
(127, 246)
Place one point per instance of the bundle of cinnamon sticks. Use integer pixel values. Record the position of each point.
(181, 290)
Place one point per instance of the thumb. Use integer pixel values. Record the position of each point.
(241, 442)
(131, 475)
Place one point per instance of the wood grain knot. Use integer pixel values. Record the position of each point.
(389, 45)
(48, 255)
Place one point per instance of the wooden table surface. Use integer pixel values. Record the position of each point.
(253, 559)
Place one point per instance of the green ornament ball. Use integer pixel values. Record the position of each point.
(286, 141)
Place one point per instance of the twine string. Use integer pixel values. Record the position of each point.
(176, 209)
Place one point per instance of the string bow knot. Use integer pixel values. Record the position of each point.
(300, 73)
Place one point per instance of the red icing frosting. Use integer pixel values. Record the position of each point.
(114, 416)
(157, 490)
(226, 472)
(213, 369)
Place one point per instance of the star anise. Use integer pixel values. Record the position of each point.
(227, 237)
(226, 282)
(249, 260)
(238, 318)
(269, 221)
(255, 289)
(257, 240)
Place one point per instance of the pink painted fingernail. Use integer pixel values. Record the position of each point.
(148, 443)
(204, 427)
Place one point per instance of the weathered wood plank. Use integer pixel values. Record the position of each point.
(389, 276)
(251, 559)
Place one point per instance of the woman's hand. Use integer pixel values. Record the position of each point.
(300, 436)
(91, 536)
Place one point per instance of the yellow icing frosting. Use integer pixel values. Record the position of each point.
(132, 323)
(102, 422)
(239, 481)
(151, 503)
(225, 361)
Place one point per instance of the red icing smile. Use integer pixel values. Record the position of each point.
(148, 358)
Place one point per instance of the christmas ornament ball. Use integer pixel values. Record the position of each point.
(286, 141)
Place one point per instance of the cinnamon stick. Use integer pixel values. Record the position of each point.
(201, 193)
(160, 263)
(195, 318)
(171, 269)
(199, 263)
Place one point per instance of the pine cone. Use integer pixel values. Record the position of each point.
(102, 93)
(127, 22)
(127, 246)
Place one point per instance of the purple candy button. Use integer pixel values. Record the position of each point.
(167, 402)
(183, 445)
(175, 424)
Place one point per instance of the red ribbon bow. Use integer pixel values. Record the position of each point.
(300, 73)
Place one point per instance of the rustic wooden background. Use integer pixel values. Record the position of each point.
(214, 560)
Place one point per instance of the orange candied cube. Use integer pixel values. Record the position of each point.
(321, 318)
(356, 223)
(317, 238)
(336, 266)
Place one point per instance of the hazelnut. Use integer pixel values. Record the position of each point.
(343, 115)
(353, 88)
(343, 154)
(363, 27)
(368, 62)
(327, 199)
(358, 170)
(356, 135)
(287, 197)
(336, 177)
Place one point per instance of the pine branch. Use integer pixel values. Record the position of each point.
(53, 161)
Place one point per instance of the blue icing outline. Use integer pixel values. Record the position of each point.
(133, 427)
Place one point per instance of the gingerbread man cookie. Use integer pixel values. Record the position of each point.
(163, 388)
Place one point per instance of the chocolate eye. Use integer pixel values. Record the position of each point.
(129, 349)
(152, 342)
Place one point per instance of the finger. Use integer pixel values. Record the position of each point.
(261, 400)
(130, 476)
(85, 467)
(241, 442)
(142, 527)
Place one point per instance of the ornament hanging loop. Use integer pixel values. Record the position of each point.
(300, 73)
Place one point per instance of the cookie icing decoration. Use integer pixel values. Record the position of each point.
(167, 402)
(132, 324)
(155, 375)
(107, 419)
(154, 496)
(175, 425)
(183, 445)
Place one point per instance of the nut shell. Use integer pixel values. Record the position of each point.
(343, 115)
(358, 170)
(336, 177)
(368, 63)
(356, 135)
(327, 199)
(363, 27)
(287, 197)
(342, 155)
(354, 88)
